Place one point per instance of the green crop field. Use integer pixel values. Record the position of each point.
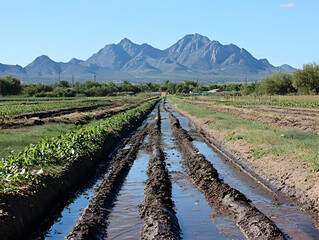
(50, 155)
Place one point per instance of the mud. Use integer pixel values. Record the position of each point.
(197, 219)
(160, 221)
(21, 213)
(253, 223)
(288, 175)
(92, 223)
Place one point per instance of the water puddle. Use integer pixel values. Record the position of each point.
(124, 221)
(66, 219)
(288, 217)
(193, 212)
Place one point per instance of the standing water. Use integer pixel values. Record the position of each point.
(286, 215)
(124, 221)
(192, 210)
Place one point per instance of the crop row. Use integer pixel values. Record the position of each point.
(46, 99)
(283, 104)
(18, 109)
(49, 155)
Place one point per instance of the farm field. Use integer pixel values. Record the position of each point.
(135, 168)
(277, 141)
(20, 130)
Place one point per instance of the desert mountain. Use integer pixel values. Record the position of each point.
(193, 55)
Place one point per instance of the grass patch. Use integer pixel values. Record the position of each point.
(266, 140)
(17, 139)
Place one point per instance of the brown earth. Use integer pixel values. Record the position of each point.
(253, 223)
(160, 221)
(285, 118)
(287, 174)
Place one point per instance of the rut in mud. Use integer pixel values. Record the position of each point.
(251, 222)
(158, 208)
(175, 169)
(93, 220)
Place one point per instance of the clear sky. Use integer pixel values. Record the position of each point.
(283, 31)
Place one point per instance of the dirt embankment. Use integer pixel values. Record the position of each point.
(253, 223)
(160, 221)
(92, 222)
(21, 213)
(285, 118)
(288, 175)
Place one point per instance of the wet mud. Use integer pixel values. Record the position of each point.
(197, 219)
(92, 223)
(253, 223)
(160, 221)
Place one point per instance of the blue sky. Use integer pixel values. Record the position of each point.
(279, 30)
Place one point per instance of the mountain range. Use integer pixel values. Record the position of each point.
(192, 56)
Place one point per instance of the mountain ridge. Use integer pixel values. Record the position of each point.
(193, 55)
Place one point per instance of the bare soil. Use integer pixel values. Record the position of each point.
(289, 175)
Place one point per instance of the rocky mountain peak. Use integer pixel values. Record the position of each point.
(192, 55)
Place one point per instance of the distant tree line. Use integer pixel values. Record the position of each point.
(303, 81)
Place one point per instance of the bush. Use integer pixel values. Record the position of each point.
(307, 79)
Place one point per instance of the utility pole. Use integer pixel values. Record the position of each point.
(73, 81)
(246, 80)
(59, 78)
(94, 77)
(197, 84)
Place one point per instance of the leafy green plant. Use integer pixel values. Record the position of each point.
(25, 108)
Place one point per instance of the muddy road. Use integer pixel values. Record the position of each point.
(167, 182)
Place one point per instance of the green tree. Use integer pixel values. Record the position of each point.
(251, 89)
(10, 85)
(307, 79)
(278, 83)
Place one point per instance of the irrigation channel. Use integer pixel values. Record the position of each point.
(166, 181)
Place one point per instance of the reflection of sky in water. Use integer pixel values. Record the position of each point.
(124, 221)
(192, 210)
(288, 218)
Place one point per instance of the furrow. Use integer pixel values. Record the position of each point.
(160, 221)
(92, 223)
(253, 223)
